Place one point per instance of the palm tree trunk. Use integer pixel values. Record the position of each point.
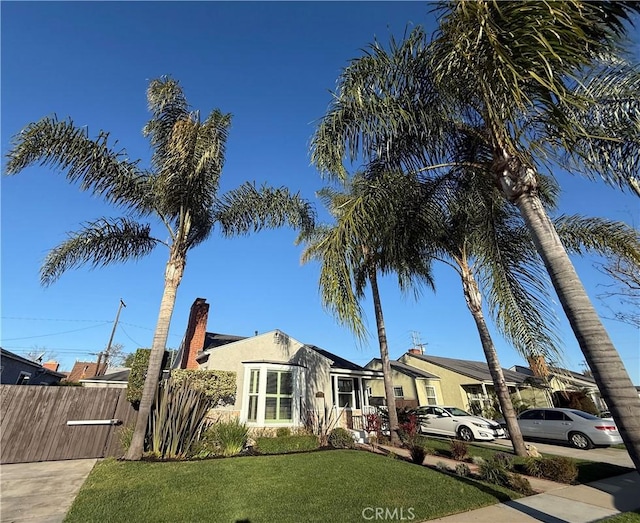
(173, 277)
(473, 298)
(386, 362)
(604, 361)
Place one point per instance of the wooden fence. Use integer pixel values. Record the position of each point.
(33, 424)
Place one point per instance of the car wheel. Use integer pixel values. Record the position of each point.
(580, 441)
(465, 433)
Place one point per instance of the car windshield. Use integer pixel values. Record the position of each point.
(584, 415)
(454, 411)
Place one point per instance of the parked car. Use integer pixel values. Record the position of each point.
(581, 429)
(455, 422)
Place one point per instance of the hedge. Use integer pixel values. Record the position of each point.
(285, 444)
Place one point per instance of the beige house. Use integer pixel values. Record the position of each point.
(468, 384)
(411, 386)
(281, 382)
(561, 381)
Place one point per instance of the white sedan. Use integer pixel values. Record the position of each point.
(455, 422)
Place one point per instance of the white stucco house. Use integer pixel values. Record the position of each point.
(281, 382)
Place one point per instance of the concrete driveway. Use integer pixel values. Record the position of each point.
(40, 492)
(603, 455)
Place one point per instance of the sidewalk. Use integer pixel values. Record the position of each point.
(556, 502)
(569, 504)
(41, 492)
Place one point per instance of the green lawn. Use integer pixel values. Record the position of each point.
(338, 485)
(587, 470)
(625, 517)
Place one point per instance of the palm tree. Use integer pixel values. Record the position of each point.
(180, 190)
(352, 257)
(510, 73)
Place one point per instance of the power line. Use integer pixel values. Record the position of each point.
(48, 319)
(52, 334)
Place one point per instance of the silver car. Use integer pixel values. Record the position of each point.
(580, 429)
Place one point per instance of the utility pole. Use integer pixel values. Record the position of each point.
(113, 331)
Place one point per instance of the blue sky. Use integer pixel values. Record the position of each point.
(272, 65)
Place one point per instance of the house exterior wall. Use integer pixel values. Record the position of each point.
(274, 348)
(413, 389)
(535, 397)
(13, 369)
(450, 386)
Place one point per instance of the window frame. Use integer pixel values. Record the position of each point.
(259, 391)
(430, 396)
(23, 378)
(396, 395)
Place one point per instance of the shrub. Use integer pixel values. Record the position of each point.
(340, 438)
(284, 444)
(556, 468)
(177, 419)
(441, 465)
(408, 429)
(459, 449)
(494, 471)
(417, 453)
(231, 436)
(207, 444)
(462, 469)
(125, 434)
(506, 460)
(217, 385)
(137, 376)
(520, 484)
(283, 432)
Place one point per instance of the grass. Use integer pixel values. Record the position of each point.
(338, 485)
(587, 470)
(625, 517)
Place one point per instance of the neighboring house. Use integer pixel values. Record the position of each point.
(281, 382)
(16, 370)
(468, 384)
(411, 386)
(563, 380)
(82, 370)
(115, 380)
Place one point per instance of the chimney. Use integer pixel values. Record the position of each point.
(538, 366)
(415, 351)
(51, 365)
(195, 335)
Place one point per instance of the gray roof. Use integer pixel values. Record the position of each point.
(557, 371)
(337, 362)
(121, 376)
(408, 370)
(478, 370)
(4, 353)
(215, 339)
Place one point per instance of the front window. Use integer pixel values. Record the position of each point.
(279, 396)
(269, 392)
(254, 394)
(432, 399)
(345, 392)
(398, 392)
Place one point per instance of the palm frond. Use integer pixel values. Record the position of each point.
(611, 148)
(98, 243)
(581, 235)
(248, 208)
(91, 163)
(383, 108)
(505, 60)
(168, 105)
